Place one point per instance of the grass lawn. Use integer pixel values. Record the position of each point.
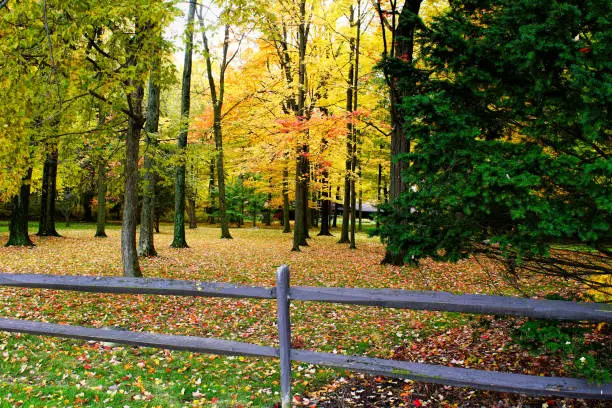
(36, 371)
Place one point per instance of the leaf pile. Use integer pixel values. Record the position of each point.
(484, 344)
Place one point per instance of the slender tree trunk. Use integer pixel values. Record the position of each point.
(191, 210)
(211, 191)
(101, 187)
(129, 254)
(286, 218)
(18, 227)
(101, 215)
(179, 240)
(378, 194)
(335, 222)
(146, 244)
(46, 226)
(325, 206)
(356, 150)
(360, 225)
(344, 235)
(300, 228)
(225, 233)
(354, 141)
(305, 190)
(352, 244)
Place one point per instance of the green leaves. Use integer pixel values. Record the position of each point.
(509, 132)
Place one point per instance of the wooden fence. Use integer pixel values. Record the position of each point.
(284, 294)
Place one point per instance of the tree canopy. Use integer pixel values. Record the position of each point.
(510, 132)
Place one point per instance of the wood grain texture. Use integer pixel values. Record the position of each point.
(165, 341)
(112, 284)
(443, 301)
(463, 377)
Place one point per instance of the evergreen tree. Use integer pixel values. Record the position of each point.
(511, 138)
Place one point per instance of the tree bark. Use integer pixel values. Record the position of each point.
(146, 244)
(348, 176)
(101, 215)
(286, 217)
(18, 227)
(403, 40)
(335, 222)
(378, 194)
(211, 191)
(191, 210)
(300, 228)
(325, 207)
(46, 226)
(360, 224)
(129, 254)
(179, 240)
(225, 233)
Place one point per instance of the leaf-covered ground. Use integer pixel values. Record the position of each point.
(37, 371)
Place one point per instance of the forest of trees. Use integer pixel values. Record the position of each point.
(481, 123)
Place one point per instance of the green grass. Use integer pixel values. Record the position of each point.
(60, 372)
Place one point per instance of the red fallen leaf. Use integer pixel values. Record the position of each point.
(215, 399)
(584, 50)
(87, 366)
(379, 379)
(417, 402)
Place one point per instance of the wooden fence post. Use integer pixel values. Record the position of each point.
(284, 333)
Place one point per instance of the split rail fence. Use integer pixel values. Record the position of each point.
(284, 294)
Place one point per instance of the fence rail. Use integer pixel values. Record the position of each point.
(284, 293)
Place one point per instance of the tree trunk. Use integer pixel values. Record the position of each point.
(225, 233)
(354, 140)
(300, 228)
(335, 222)
(305, 190)
(129, 254)
(344, 235)
(146, 244)
(378, 194)
(352, 244)
(360, 225)
(179, 240)
(404, 49)
(101, 215)
(211, 191)
(18, 227)
(46, 226)
(286, 218)
(325, 207)
(191, 210)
